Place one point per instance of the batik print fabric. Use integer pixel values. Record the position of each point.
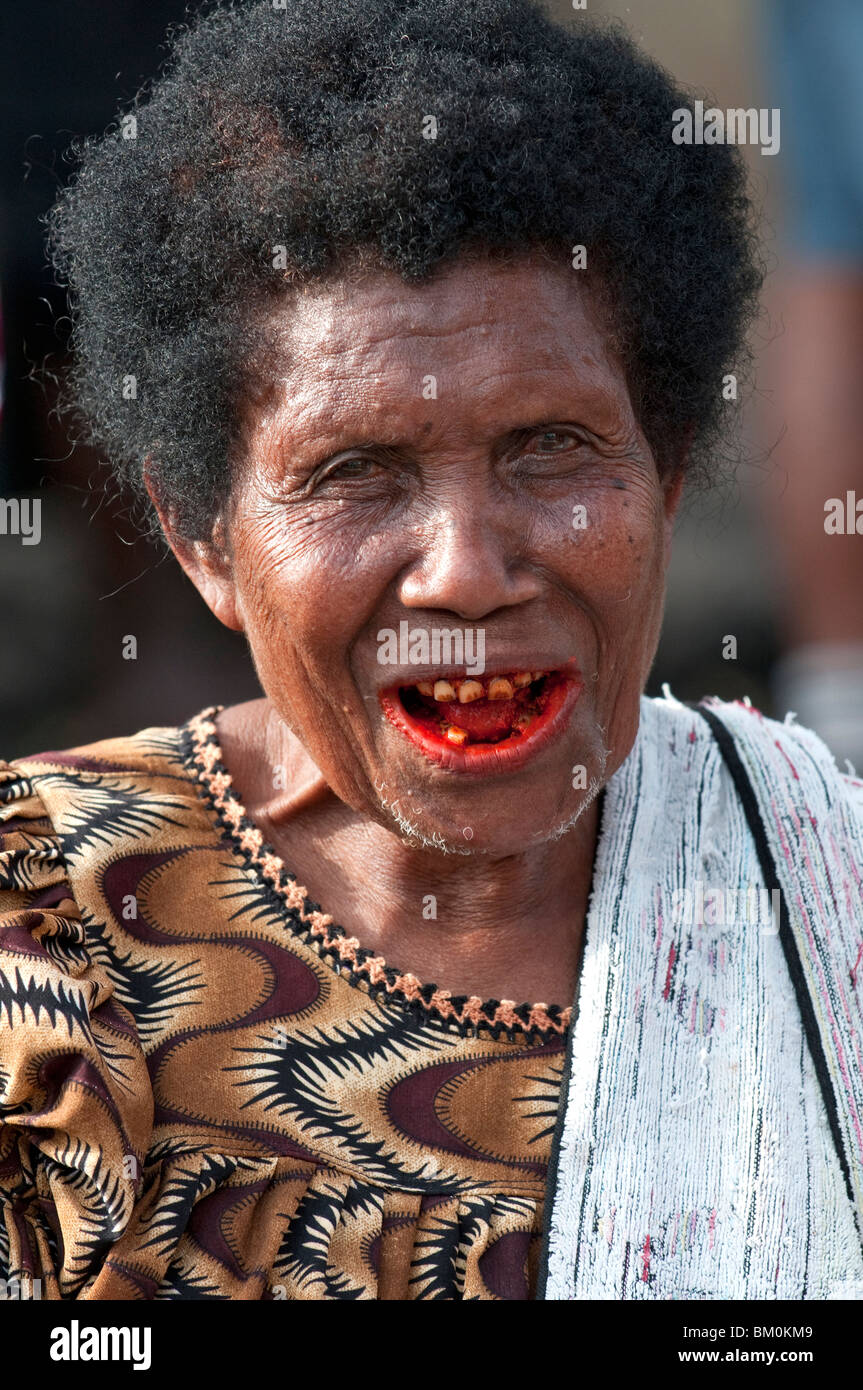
(208, 1091)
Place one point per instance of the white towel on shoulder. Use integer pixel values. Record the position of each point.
(695, 1156)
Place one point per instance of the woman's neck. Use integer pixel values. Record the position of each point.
(499, 927)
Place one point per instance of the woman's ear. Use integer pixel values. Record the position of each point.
(206, 562)
(672, 486)
(672, 490)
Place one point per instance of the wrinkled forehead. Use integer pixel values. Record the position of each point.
(528, 300)
(478, 333)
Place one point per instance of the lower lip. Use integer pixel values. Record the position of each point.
(484, 758)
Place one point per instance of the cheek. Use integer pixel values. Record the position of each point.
(297, 587)
(615, 564)
(296, 607)
(609, 543)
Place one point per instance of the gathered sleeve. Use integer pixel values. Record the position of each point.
(76, 1103)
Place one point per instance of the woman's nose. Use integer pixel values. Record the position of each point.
(469, 566)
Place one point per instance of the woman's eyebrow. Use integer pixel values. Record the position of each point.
(404, 443)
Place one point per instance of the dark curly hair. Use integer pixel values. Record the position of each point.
(278, 141)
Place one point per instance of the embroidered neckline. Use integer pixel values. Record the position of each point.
(468, 1015)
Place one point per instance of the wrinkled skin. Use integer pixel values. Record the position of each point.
(359, 503)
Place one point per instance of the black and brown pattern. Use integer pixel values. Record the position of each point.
(209, 1090)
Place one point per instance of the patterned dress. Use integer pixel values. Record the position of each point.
(208, 1090)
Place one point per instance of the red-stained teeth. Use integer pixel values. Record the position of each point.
(479, 732)
(465, 691)
(500, 689)
(444, 692)
(470, 690)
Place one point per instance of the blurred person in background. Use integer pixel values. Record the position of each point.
(70, 600)
(816, 55)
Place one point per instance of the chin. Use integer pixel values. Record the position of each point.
(498, 836)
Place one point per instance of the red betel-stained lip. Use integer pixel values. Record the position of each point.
(562, 690)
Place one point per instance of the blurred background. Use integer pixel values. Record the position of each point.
(752, 561)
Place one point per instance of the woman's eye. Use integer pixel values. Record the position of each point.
(550, 441)
(352, 468)
(349, 470)
(551, 444)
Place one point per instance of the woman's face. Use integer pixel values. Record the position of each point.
(460, 456)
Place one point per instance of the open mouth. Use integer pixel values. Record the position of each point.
(480, 717)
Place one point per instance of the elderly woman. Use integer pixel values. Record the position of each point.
(410, 320)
